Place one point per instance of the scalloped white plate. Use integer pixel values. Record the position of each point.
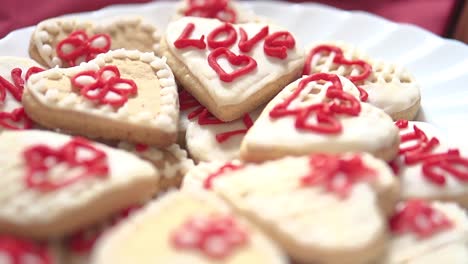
(439, 65)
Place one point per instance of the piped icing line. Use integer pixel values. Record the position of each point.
(204, 174)
(164, 120)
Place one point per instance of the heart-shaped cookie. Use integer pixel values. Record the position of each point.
(384, 85)
(13, 74)
(428, 233)
(428, 166)
(120, 95)
(67, 42)
(231, 69)
(191, 227)
(320, 113)
(321, 209)
(55, 184)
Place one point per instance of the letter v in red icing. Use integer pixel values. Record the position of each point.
(184, 41)
(245, 44)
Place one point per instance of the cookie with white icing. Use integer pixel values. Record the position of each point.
(320, 113)
(172, 162)
(429, 167)
(231, 69)
(224, 10)
(428, 233)
(17, 250)
(120, 95)
(186, 227)
(66, 42)
(320, 208)
(14, 71)
(387, 86)
(54, 184)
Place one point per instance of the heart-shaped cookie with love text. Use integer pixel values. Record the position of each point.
(13, 74)
(387, 86)
(322, 208)
(120, 95)
(66, 42)
(231, 69)
(191, 227)
(55, 184)
(320, 113)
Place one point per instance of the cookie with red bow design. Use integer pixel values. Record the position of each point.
(172, 162)
(120, 95)
(320, 113)
(387, 86)
(428, 233)
(231, 69)
(429, 168)
(55, 184)
(17, 250)
(186, 227)
(13, 74)
(320, 208)
(66, 42)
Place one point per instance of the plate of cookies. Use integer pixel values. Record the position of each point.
(213, 131)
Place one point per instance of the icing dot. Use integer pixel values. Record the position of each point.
(147, 27)
(157, 64)
(46, 49)
(167, 82)
(67, 25)
(119, 54)
(147, 57)
(163, 73)
(56, 61)
(43, 36)
(52, 27)
(133, 54)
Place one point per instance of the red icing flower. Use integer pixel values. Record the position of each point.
(19, 251)
(215, 236)
(15, 120)
(326, 121)
(211, 9)
(223, 169)
(77, 153)
(105, 86)
(338, 174)
(418, 217)
(78, 46)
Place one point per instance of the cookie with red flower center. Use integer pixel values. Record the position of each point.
(320, 113)
(429, 167)
(67, 42)
(55, 184)
(14, 72)
(186, 227)
(231, 69)
(322, 208)
(426, 232)
(387, 86)
(120, 95)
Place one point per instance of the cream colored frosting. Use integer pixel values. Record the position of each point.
(371, 131)
(230, 93)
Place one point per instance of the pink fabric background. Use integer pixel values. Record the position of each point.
(430, 14)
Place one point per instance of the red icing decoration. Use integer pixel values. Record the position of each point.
(246, 63)
(106, 82)
(419, 218)
(245, 44)
(326, 121)
(17, 250)
(228, 30)
(211, 9)
(141, 147)
(363, 95)
(366, 69)
(223, 169)
(338, 174)
(82, 47)
(184, 41)
(402, 123)
(215, 236)
(187, 101)
(38, 158)
(226, 135)
(422, 145)
(15, 120)
(278, 43)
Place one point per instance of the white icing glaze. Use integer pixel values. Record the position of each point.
(225, 93)
(448, 246)
(372, 130)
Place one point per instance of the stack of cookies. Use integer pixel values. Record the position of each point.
(219, 139)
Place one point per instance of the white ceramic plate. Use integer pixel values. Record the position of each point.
(440, 65)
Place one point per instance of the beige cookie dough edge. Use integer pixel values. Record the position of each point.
(228, 112)
(409, 113)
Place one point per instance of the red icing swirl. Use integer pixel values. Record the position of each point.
(184, 40)
(20, 250)
(37, 159)
(278, 43)
(339, 102)
(230, 36)
(223, 169)
(419, 218)
(106, 87)
(246, 44)
(337, 173)
(245, 64)
(211, 9)
(215, 236)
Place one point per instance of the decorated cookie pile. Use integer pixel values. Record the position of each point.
(219, 139)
